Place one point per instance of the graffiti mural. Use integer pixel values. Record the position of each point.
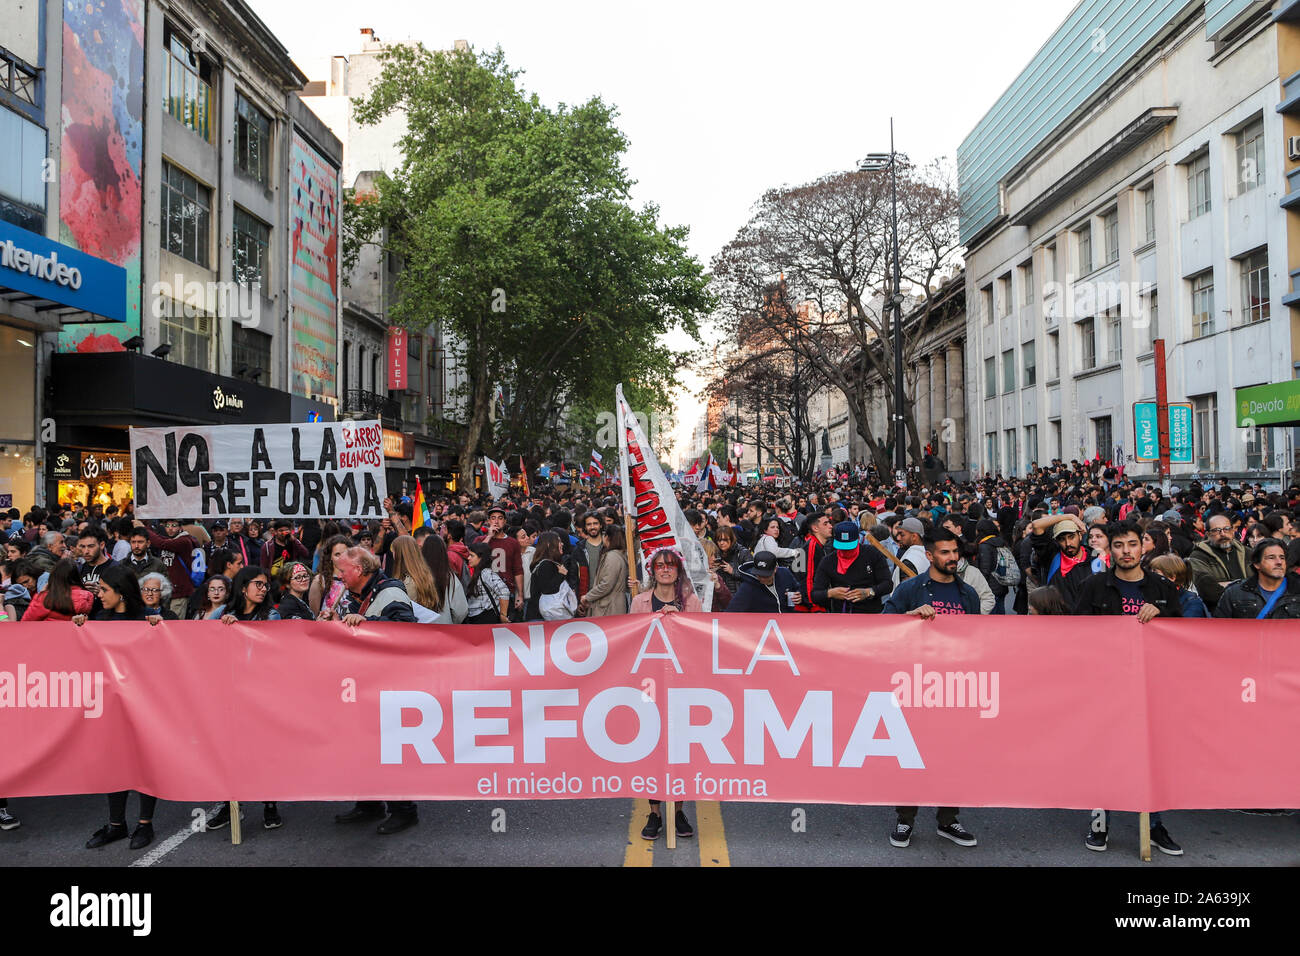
(102, 146)
(313, 278)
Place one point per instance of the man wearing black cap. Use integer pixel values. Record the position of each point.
(765, 587)
(852, 578)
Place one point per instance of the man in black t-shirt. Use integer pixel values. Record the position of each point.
(1126, 589)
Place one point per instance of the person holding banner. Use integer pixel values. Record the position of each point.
(119, 596)
(936, 590)
(295, 583)
(1271, 594)
(250, 599)
(672, 591)
(376, 598)
(852, 579)
(212, 594)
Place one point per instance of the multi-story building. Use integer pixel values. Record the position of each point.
(1130, 186)
(161, 150)
(410, 378)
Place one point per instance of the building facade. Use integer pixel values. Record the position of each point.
(1131, 186)
(411, 378)
(160, 153)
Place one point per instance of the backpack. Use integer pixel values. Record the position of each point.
(1006, 572)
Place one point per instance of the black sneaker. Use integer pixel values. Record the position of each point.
(683, 826)
(361, 813)
(221, 818)
(957, 833)
(271, 817)
(142, 836)
(397, 822)
(8, 821)
(653, 824)
(108, 833)
(901, 835)
(1096, 840)
(1164, 842)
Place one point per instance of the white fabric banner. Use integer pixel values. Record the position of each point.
(311, 470)
(649, 499)
(496, 478)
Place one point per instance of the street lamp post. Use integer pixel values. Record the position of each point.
(874, 162)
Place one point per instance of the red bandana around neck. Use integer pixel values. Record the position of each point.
(845, 558)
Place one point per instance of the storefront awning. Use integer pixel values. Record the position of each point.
(42, 280)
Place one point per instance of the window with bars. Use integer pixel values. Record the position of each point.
(1104, 437)
(1031, 370)
(1205, 427)
(1088, 343)
(1198, 186)
(251, 351)
(187, 86)
(1254, 287)
(1114, 337)
(252, 140)
(1110, 230)
(186, 216)
(1148, 197)
(1250, 157)
(189, 335)
(1259, 446)
(1203, 304)
(1151, 308)
(1084, 238)
(252, 238)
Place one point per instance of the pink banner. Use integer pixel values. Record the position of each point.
(1011, 712)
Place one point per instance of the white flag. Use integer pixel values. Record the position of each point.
(496, 478)
(649, 500)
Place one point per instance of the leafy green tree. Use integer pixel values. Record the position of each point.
(514, 227)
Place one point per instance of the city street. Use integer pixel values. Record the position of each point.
(607, 833)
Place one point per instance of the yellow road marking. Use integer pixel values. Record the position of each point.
(639, 852)
(709, 831)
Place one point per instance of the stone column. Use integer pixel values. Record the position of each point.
(922, 408)
(939, 397)
(957, 452)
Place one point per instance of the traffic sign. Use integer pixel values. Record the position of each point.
(1146, 432)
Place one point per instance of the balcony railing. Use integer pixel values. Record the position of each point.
(373, 405)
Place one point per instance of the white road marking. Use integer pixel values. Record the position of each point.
(172, 842)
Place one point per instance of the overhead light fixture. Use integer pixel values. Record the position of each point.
(25, 343)
(162, 351)
(134, 344)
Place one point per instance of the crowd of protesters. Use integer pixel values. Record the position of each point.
(1072, 538)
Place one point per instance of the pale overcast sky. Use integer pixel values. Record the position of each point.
(723, 100)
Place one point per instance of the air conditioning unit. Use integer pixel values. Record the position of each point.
(1293, 147)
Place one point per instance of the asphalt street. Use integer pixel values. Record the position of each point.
(607, 833)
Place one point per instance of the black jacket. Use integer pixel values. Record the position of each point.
(1244, 600)
(294, 609)
(987, 561)
(1099, 594)
(754, 596)
(869, 569)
